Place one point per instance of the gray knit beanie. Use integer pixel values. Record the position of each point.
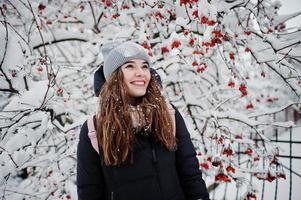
(116, 54)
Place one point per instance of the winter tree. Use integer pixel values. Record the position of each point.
(228, 65)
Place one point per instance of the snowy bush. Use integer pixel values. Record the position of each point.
(227, 65)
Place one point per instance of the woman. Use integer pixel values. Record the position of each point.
(142, 155)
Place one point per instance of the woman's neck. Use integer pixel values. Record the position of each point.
(134, 101)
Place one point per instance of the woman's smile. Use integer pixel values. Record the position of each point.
(136, 77)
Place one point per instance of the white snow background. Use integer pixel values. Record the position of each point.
(40, 122)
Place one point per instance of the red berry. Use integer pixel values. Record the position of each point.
(216, 41)
(175, 44)
(191, 42)
(230, 169)
(40, 69)
(247, 49)
(164, 50)
(249, 106)
(200, 69)
(228, 152)
(159, 15)
(115, 16)
(243, 90)
(211, 23)
(231, 84)
(186, 33)
(238, 137)
(204, 20)
(217, 34)
(195, 14)
(125, 7)
(81, 7)
(14, 74)
(59, 91)
(146, 45)
(249, 152)
(50, 173)
(231, 54)
(41, 7)
(197, 52)
(194, 63)
(204, 165)
(221, 177)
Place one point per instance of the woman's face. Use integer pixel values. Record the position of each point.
(136, 77)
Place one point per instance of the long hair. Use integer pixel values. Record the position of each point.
(115, 129)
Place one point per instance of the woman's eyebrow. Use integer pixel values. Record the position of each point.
(129, 62)
(144, 62)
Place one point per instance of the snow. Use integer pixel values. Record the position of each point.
(16, 142)
(49, 37)
(31, 99)
(40, 120)
(269, 188)
(283, 18)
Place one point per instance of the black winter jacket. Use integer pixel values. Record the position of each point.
(152, 173)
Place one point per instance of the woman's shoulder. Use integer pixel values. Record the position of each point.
(175, 110)
(84, 130)
(85, 125)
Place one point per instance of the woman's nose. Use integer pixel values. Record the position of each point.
(139, 71)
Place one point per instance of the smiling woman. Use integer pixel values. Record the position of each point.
(136, 76)
(145, 150)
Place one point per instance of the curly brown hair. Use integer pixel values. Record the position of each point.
(115, 130)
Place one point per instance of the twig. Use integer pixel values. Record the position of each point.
(38, 27)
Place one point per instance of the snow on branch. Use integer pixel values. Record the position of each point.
(232, 68)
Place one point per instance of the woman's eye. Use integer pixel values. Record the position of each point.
(129, 66)
(145, 67)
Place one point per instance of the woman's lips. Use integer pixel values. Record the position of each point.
(139, 83)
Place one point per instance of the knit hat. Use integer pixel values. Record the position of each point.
(116, 54)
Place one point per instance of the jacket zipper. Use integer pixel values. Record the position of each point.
(155, 162)
(112, 195)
